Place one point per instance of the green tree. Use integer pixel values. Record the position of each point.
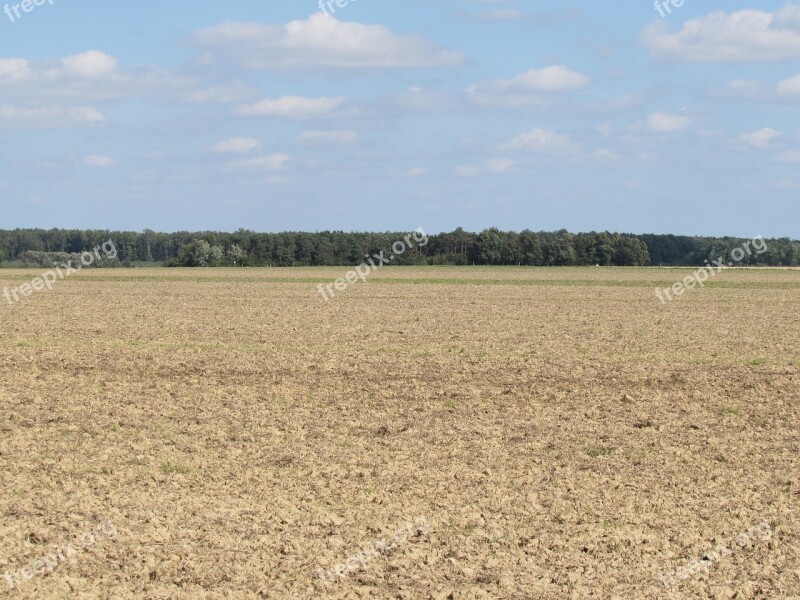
(215, 255)
(195, 254)
(235, 255)
(558, 249)
(512, 252)
(530, 248)
(490, 246)
(630, 252)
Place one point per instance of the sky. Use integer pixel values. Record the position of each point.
(371, 115)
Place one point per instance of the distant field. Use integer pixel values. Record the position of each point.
(562, 433)
(772, 277)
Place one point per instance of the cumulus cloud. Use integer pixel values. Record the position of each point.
(421, 100)
(500, 165)
(790, 86)
(321, 41)
(95, 76)
(559, 146)
(49, 116)
(89, 74)
(14, 69)
(550, 79)
(90, 65)
(528, 88)
(239, 145)
(785, 91)
(541, 140)
(761, 138)
(271, 162)
(747, 88)
(662, 122)
(743, 36)
(290, 107)
(85, 114)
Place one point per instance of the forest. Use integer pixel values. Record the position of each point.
(39, 248)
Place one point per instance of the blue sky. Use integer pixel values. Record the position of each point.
(395, 115)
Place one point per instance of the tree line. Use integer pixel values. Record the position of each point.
(36, 247)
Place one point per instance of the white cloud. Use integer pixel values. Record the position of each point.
(272, 162)
(87, 65)
(48, 116)
(15, 114)
(323, 138)
(500, 165)
(550, 79)
(94, 76)
(790, 86)
(321, 41)
(14, 69)
(786, 90)
(186, 90)
(239, 145)
(661, 122)
(290, 107)
(559, 145)
(416, 172)
(746, 87)
(743, 36)
(85, 114)
(422, 100)
(528, 88)
(90, 65)
(541, 140)
(99, 162)
(761, 138)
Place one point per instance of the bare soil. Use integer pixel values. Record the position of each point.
(563, 433)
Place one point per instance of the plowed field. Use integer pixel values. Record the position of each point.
(559, 432)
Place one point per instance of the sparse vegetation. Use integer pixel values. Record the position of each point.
(555, 418)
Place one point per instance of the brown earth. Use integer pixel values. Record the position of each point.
(563, 434)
